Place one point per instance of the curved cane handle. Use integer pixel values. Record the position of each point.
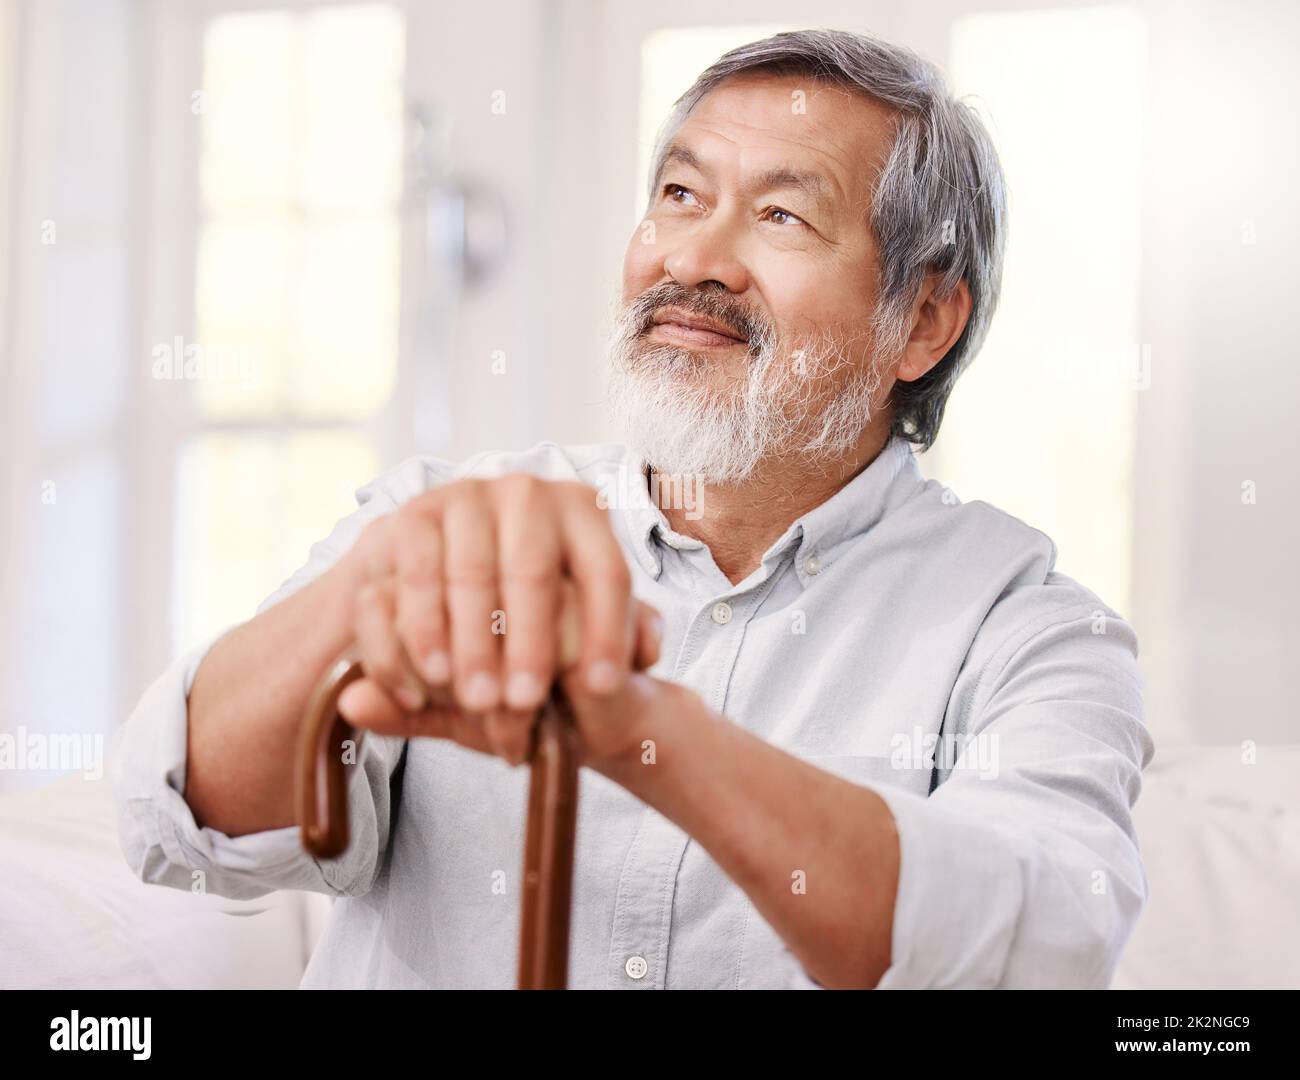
(549, 833)
(321, 781)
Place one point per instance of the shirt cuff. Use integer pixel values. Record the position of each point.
(156, 827)
(943, 938)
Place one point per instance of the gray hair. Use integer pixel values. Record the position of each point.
(939, 205)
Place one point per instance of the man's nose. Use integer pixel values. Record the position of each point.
(708, 251)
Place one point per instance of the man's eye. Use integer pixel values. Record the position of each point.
(787, 217)
(671, 190)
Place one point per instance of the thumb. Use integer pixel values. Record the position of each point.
(649, 636)
(645, 632)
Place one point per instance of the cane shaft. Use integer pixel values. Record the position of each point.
(328, 743)
(550, 835)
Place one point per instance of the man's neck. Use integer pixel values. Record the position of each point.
(740, 522)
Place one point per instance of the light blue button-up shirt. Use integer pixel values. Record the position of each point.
(894, 635)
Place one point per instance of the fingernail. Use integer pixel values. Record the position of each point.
(347, 699)
(657, 626)
(437, 667)
(411, 699)
(602, 677)
(480, 692)
(523, 690)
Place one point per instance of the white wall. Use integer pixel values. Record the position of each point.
(70, 214)
(465, 58)
(1215, 581)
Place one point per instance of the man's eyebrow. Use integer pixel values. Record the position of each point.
(682, 155)
(810, 184)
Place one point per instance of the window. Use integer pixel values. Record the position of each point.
(296, 296)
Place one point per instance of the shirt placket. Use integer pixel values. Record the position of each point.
(643, 911)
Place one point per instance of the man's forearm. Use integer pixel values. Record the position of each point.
(817, 855)
(247, 701)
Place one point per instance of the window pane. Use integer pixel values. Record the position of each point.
(302, 108)
(1042, 424)
(345, 330)
(249, 508)
(247, 111)
(244, 289)
(299, 252)
(353, 60)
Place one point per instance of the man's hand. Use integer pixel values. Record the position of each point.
(477, 597)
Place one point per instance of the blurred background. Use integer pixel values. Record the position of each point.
(254, 253)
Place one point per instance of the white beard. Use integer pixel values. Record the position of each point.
(666, 410)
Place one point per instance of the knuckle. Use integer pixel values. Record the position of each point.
(371, 599)
(524, 499)
(381, 664)
(428, 500)
(580, 502)
(419, 611)
(613, 569)
(422, 638)
(475, 571)
(575, 489)
(519, 485)
(531, 569)
(467, 489)
(474, 584)
(376, 539)
(419, 563)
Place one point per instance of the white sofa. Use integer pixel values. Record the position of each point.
(1221, 841)
(72, 915)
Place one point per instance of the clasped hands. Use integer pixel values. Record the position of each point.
(476, 596)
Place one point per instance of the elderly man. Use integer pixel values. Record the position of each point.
(840, 729)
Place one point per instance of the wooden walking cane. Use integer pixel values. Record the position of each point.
(549, 831)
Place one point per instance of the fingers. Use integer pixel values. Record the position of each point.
(569, 645)
(649, 636)
(596, 563)
(482, 593)
(473, 599)
(368, 705)
(383, 656)
(421, 595)
(530, 555)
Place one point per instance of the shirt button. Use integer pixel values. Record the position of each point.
(812, 565)
(636, 967)
(721, 613)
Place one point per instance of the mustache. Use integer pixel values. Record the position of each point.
(729, 311)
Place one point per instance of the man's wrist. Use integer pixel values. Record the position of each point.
(659, 735)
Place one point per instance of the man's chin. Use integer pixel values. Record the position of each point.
(696, 449)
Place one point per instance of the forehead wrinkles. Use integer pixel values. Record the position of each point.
(734, 152)
(844, 136)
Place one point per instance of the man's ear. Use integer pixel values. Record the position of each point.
(936, 326)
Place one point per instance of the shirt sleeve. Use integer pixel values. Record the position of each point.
(1021, 869)
(159, 837)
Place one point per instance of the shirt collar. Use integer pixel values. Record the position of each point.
(847, 514)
